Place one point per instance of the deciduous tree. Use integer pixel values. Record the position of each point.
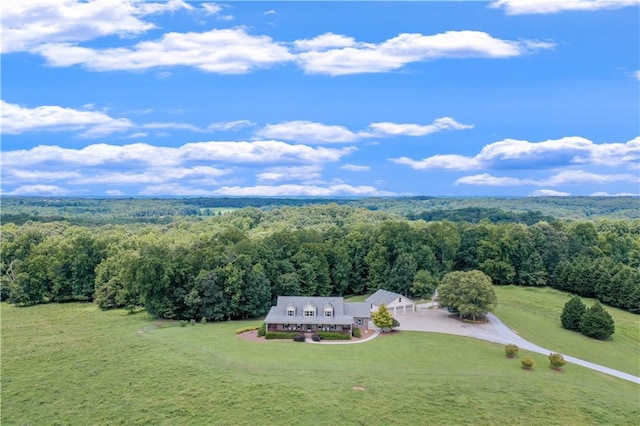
(468, 293)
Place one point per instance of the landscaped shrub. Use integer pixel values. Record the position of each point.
(527, 363)
(572, 313)
(192, 321)
(280, 335)
(245, 329)
(597, 322)
(333, 335)
(299, 337)
(356, 332)
(511, 350)
(316, 338)
(183, 323)
(262, 330)
(556, 361)
(203, 320)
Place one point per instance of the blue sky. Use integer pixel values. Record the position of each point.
(183, 98)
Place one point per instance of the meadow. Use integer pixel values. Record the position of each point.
(73, 364)
(534, 313)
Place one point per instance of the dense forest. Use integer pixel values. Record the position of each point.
(235, 262)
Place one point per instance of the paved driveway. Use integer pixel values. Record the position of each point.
(438, 321)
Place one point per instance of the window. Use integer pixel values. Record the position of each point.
(291, 312)
(399, 299)
(309, 312)
(328, 312)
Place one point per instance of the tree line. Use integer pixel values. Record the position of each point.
(235, 265)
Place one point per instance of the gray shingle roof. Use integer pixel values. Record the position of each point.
(382, 296)
(343, 312)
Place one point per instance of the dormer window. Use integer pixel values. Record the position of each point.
(399, 299)
(328, 311)
(310, 310)
(291, 311)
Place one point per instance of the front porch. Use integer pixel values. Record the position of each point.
(311, 328)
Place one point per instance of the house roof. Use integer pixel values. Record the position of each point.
(382, 296)
(343, 312)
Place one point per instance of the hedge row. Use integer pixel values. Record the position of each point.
(280, 335)
(332, 335)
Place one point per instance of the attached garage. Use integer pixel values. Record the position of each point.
(396, 303)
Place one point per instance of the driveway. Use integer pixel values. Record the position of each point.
(438, 321)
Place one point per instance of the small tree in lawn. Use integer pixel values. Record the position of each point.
(572, 313)
(511, 350)
(527, 363)
(556, 361)
(382, 318)
(597, 322)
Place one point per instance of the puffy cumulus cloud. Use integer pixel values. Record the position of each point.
(395, 129)
(567, 177)
(324, 41)
(312, 132)
(17, 119)
(225, 51)
(39, 190)
(443, 161)
(29, 23)
(258, 152)
(549, 193)
(355, 168)
(114, 193)
(524, 7)
(519, 154)
(351, 57)
(307, 131)
(153, 175)
(297, 173)
(301, 190)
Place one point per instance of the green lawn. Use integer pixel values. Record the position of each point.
(534, 313)
(72, 364)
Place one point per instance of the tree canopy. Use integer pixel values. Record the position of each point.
(470, 294)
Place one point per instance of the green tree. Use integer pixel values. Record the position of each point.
(424, 284)
(382, 318)
(556, 361)
(572, 313)
(597, 322)
(468, 293)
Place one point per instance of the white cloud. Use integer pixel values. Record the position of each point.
(173, 125)
(549, 193)
(355, 168)
(29, 23)
(324, 41)
(392, 54)
(519, 154)
(307, 131)
(620, 194)
(39, 190)
(298, 173)
(153, 175)
(312, 132)
(137, 135)
(443, 161)
(211, 8)
(225, 51)
(567, 177)
(258, 152)
(230, 125)
(395, 129)
(270, 12)
(301, 190)
(114, 192)
(17, 120)
(636, 75)
(522, 7)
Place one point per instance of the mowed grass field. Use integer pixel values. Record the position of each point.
(534, 313)
(71, 364)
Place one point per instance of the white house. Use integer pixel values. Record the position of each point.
(396, 303)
